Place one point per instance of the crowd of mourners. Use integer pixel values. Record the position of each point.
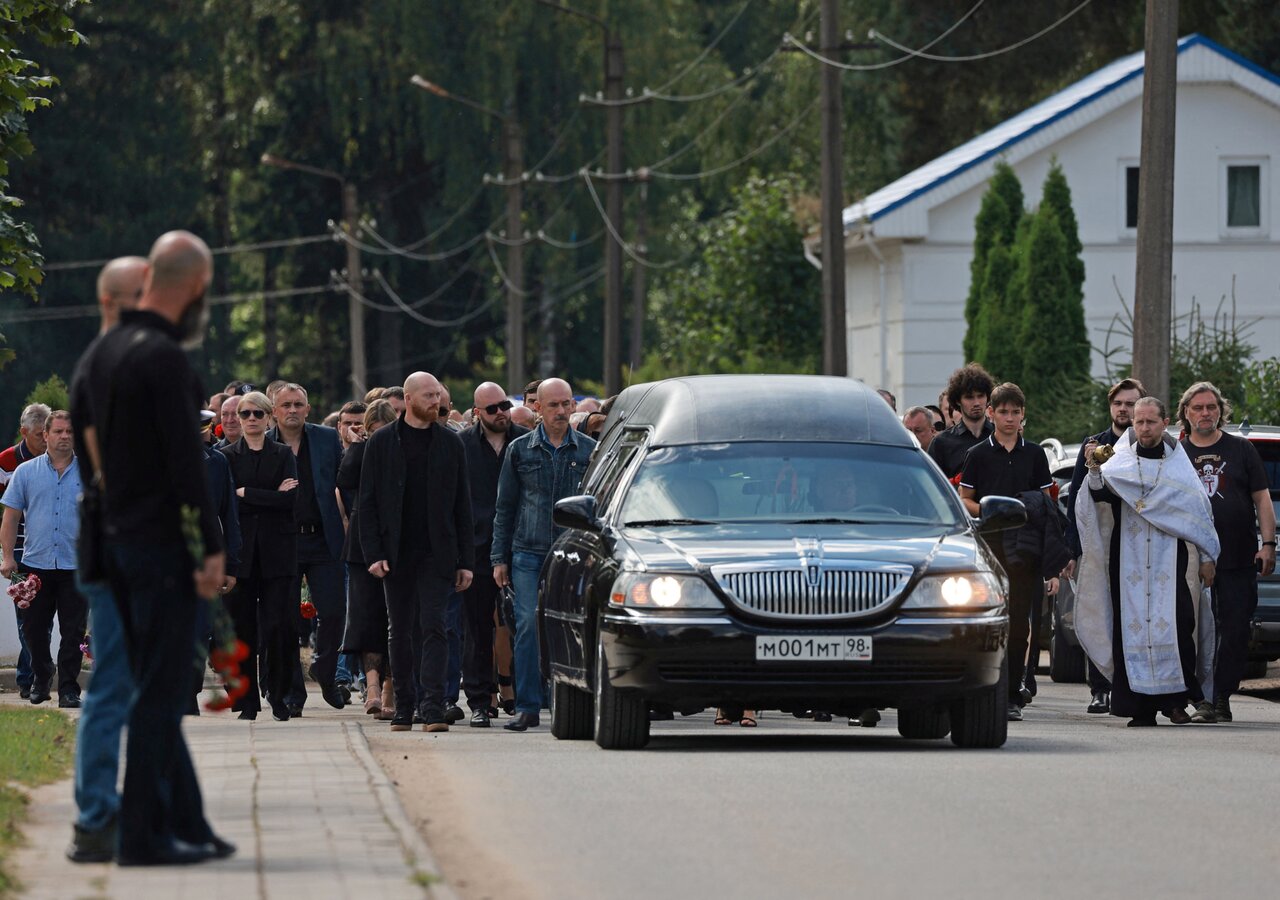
(395, 546)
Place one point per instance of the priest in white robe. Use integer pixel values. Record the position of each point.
(1149, 549)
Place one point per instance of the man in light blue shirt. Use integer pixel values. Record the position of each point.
(43, 492)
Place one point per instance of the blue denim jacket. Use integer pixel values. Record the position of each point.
(534, 476)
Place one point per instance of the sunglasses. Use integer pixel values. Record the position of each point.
(938, 426)
(493, 408)
(251, 413)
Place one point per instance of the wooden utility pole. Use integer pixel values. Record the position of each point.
(514, 169)
(1153, 293)
(351, 222)
(612, 375)
(638, 283)
(834, 340)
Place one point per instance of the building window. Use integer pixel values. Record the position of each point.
(1244, 196)
(1131, 197)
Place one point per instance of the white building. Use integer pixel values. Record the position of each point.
(909, 244)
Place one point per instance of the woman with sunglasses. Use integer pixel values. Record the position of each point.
(263, 606)
(366, 632)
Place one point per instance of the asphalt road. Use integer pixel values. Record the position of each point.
(1073, 806)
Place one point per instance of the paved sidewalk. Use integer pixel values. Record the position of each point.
(311, 812)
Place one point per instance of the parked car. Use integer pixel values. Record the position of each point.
(771, 542)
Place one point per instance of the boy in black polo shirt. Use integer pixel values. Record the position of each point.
(1005, 465)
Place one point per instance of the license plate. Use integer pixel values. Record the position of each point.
(813, 648)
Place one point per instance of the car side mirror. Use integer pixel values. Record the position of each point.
(579, 512)
(1000, 514)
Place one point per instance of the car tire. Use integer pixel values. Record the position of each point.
(621, 717)
(927, 724)
(981, 719)
(1255, 668)
(1067, 662)
(571, 713)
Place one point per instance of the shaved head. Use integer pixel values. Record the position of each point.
(488, 392)
(178, 257)
(120, 287)
(422, 399)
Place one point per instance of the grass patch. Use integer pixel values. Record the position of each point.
(36, 747)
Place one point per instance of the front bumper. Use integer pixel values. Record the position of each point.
(691, 662)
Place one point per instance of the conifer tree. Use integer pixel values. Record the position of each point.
(996, 224)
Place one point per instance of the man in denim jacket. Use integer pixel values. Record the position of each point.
(541, 467)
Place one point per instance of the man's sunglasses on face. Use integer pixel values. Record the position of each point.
(254, 413)
(493, 408)
(938, 426)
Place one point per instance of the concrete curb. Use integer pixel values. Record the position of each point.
(417, 853)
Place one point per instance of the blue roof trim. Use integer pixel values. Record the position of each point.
(1184, 44)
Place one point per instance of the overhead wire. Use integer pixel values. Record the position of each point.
(875, 35)
(216, 251)
(426, 239)
(420, 257)
(707, 173)
(55, 313)
(627, 248)
(874, 67)
(707, 49)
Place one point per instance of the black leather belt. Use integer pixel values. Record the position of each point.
(308, 529)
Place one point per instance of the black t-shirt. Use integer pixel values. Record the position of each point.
(306, 510)
(990, 470)
(415, 443)
(948, 449)
(1231, 471)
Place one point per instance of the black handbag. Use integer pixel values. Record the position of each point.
(90, 557)
(507, 606)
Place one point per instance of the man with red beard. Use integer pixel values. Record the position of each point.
(415, 524)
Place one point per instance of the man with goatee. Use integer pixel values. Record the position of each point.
(415, 524)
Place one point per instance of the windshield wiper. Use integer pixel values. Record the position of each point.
(829, 521)
(644, 523)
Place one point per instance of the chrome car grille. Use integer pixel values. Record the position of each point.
(814, 593)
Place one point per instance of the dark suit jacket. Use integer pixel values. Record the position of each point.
(349, 483)
(267, 531)
(326, 451)
(222, 487)
(381, 503)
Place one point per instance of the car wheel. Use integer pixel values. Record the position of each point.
(1067, 663)
(981, 719)
(570, 712)
(1255, 668)
(926, 724)
(622, 717)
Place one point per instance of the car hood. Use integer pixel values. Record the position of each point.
(686, 549)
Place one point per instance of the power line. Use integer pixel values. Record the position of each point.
(707, 173)
(408, 310)
(56, 313)
(873, 67)
(426, 239)
(672, 157)
(627, 248)
(875, 35)
(388, 249)
(705, 50)
(217, 251)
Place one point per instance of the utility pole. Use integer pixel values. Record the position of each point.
(613, 208)
(514, 169)
(547, 345)
(1153, 293)
(355, 278)
(638, 287)
(834, 339)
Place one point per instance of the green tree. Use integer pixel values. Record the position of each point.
(1261, 393)
(998, 319)
(52, 392)
(996, 225)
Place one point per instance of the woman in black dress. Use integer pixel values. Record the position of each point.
(366, 632)
(266, 478)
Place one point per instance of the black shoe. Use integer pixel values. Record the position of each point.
(1024, 695)
(1015, 713)
(69, 701)
(248, 715)
(1221, 709)
(522, 722)
(38, 694)
(345, 691)
(480, 718)
(97, 846)
(401, 722)
(509, 707)
(180, 853)
(1101, 703)
(24, 691)
(283, 713)
(453, 713)
(418, 719)
(491, 712)
(661, 715)
(295, 711)
(221, 849)
(820, 716)
(328, 690)
(1143, 721)
(867, 718)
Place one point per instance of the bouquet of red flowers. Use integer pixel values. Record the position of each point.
(306, 608)
(23, 588)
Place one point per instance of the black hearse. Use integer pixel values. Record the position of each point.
(771, 542)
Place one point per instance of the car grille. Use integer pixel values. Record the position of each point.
(877, 672)
(837, 594)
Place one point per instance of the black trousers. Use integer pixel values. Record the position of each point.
(161, 798)
(262, 611)
(416, 602)
(1235, 600)
(478, 675)
(327, 581)
(1026, 587)
(1097, 681)
(57, 594)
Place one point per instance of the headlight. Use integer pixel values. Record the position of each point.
(972, 590)
(645, 590)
